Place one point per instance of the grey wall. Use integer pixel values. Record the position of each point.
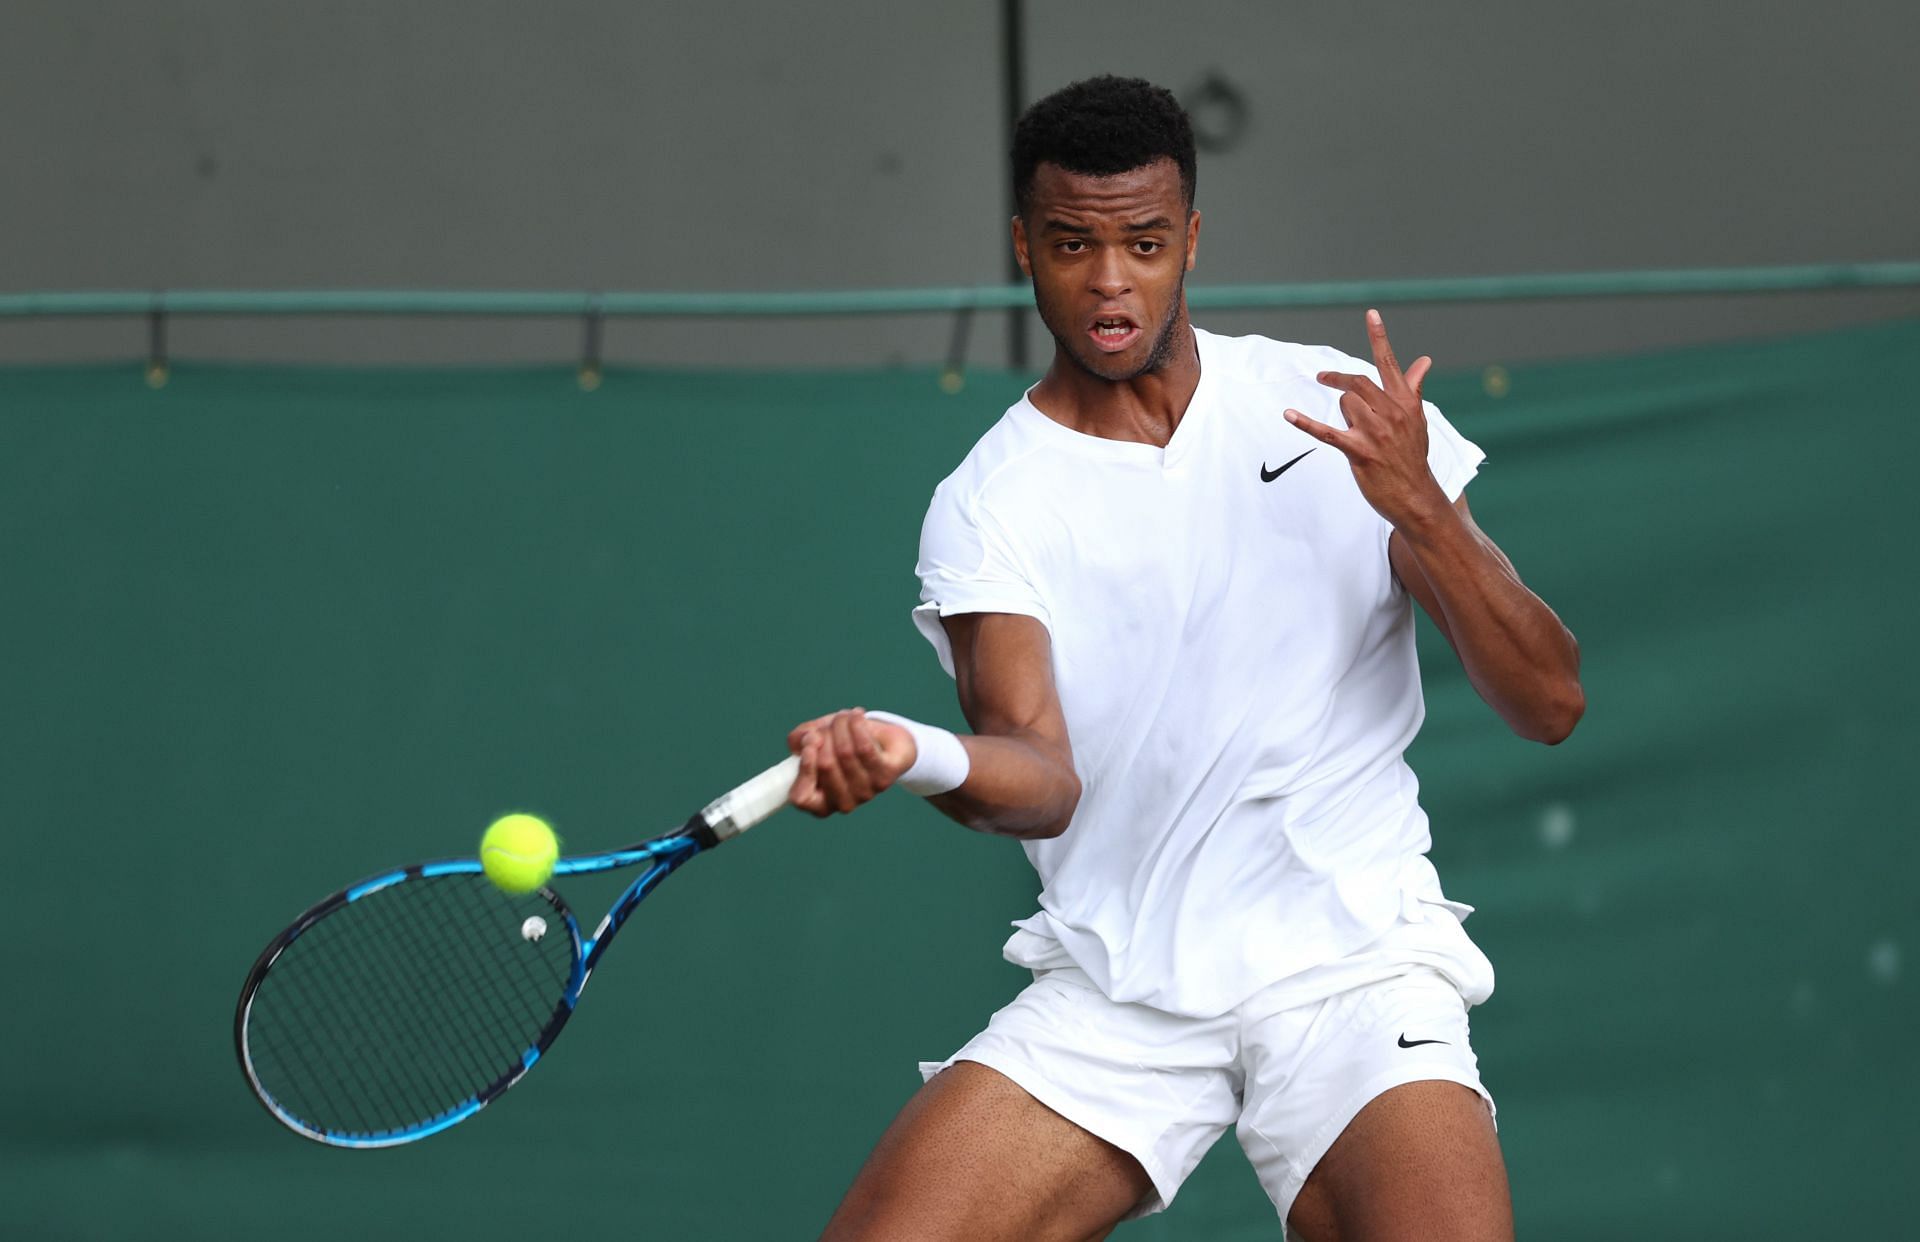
(755, 145)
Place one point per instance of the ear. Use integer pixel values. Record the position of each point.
(1193, 238)
(1020, 247)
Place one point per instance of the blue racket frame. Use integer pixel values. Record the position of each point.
(661, 855)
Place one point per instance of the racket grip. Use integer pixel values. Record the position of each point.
(734, 812)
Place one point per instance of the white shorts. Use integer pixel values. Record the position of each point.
(1164, 1088)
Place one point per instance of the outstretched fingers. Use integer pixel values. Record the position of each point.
(1382, 350)
(1360, 386)
(1391, 377)
(1417, 373)
(1318, 430)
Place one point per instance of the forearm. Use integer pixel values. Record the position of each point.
(1013, 776)
(1515, 651)
(1017, 786)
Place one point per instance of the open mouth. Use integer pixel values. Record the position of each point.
(1113, 333)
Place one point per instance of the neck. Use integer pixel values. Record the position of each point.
(1145, 409)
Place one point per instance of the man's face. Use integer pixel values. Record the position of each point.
(1108, 257)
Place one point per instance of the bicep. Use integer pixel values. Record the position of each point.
(1003, 667)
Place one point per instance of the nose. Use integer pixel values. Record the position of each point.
(1109, 277)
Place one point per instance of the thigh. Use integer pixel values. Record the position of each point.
(1366, 1119)
(1421, 1161)
(973, 1156)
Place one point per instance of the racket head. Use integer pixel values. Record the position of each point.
(405, 1003)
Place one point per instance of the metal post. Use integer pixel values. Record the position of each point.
(1014, 73)
(953, 377)
(157, 341)
(590, 371)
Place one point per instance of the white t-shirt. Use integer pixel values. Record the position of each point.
(1235, 660)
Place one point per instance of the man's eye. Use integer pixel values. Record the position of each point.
(1073, 247)
(1149, 247)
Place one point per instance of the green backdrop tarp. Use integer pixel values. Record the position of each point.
(270, 629)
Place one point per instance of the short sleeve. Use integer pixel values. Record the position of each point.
(967, 565)
(1452, 457)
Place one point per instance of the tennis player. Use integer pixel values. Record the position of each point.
(1174, 585)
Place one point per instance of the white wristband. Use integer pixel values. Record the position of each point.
(940, 764)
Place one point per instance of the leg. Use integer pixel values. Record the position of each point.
(1366, 1119)
(1421, 1161)
(974, 1157)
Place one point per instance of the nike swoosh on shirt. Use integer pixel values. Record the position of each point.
(1415, 1043)
(1268, 476)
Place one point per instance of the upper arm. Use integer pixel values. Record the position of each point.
(1003, 667)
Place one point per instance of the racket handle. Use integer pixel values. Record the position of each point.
(733, 813)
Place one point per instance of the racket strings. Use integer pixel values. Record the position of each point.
(407, 1003)
(437, 999)
(398, 1026)
(443, 991)
(349, 965)
(446, 988)
(337, 977)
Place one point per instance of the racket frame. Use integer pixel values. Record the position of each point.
(721, 820)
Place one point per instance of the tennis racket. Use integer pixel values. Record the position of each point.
(405, 1003)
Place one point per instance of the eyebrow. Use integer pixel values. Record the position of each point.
(1155, 225)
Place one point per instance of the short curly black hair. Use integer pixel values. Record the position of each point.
(1100, 127)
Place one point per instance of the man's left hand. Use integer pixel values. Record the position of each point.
(1386, 437)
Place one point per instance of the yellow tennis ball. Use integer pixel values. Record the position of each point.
(518, 852)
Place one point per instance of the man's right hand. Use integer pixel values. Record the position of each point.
(1020, 777)
(846, 760)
